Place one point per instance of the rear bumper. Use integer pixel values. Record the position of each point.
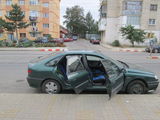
(34, 82)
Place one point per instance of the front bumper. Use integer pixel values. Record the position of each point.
(153, 85)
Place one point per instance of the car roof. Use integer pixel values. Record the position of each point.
(84, 52)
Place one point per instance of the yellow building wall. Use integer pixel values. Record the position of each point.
(53, 20)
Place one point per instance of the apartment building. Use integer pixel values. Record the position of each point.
(142, 14)
(44, 16)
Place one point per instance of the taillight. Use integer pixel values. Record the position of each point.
(29, 71)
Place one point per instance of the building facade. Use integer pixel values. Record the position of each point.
(142, 14)
(43, 15)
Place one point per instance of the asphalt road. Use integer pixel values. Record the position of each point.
(13, 65)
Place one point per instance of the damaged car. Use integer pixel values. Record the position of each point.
(83, 70)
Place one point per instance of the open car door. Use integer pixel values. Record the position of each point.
(115, 77)
(77, 75)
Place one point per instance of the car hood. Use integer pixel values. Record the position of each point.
(132, 68)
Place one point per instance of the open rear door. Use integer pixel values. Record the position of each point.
(116, 77)
(77, 75)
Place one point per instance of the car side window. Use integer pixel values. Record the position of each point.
(111, 68)
(54, 61)
(74, 64)
(93, 58)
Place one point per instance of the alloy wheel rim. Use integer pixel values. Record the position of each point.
(51, 87)
(137, 89)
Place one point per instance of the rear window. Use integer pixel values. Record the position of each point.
(41, 58)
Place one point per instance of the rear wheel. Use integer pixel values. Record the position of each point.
(136, 87)
(51, 87)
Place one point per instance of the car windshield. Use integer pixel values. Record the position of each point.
(40, 58)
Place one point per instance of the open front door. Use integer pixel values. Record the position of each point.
(116, 77)
(77, 75)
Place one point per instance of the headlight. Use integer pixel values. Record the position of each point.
(156, 77)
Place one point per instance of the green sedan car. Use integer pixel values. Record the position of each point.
(82, 70)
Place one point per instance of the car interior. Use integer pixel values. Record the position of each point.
(95, 68)
(97, 71)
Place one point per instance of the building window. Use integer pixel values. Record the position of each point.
(8, 13)
(45, 25)
(133, 20)
(45, 4)
(33, 24)
(21, 2)
(8, 2)
(1, 35)
(22, 35)
(23, 12)
(34, 13)
(34, 2)
(153, 7)
(0, 12)
(10, 36)
(132, 8)
(45, 15)
(152, 21)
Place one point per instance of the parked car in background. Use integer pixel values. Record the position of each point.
(82, 70)
(155, 49)
(67, 39)
(41, 40)
(94, 41)
(58, 40)
(75, 37)
(23, 40)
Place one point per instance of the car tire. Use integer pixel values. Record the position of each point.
(136, 87)
(51, 87)
(156, 51)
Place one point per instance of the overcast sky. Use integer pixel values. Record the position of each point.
(88, 5)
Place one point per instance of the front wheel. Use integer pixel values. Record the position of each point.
(156, 51)
(51, 87)
(136, 87)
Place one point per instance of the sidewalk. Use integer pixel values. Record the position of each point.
(35, 49)
(79, 107)
(123, 49)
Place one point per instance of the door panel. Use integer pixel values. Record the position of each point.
(79, 81)
(116, 77)
(78, 76)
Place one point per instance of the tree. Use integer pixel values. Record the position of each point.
(74, 20)
(2, 23)
(133, 35)
(14, 21)
(91, 24)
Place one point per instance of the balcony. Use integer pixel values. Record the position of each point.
(102, 24)
(33, 18)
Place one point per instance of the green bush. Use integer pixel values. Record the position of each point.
(1, 43)
(45, 45)
(116, 43)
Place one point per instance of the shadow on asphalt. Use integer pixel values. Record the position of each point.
(87, 92)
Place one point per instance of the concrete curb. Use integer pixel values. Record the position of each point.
(35, 49)
(54, 50)
(154, 57)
